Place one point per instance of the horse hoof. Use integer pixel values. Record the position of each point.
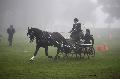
(31, 60)
(50, 57)
(55, 58)
(82, 57)
(58, 57)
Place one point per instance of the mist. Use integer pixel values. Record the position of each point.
(45, 14)
(112, 8)
(58, 15)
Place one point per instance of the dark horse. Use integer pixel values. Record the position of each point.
(45, 39)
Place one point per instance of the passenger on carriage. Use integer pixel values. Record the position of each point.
(88, 38)
(75, 32)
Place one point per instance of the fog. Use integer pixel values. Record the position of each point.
(58, 15)
(112, 8)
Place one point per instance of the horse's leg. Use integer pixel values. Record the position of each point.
(84, 51)
(72, 54)
(58, 51)
(65, 56)
(80, 55)
(76, 56)
(37, 48)
(46, 52)
(88, 53)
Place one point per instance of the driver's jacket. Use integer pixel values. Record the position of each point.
(76, 28)
(88, 39)
(75, 32)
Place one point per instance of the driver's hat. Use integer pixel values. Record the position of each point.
(76, 19)
(88, 30)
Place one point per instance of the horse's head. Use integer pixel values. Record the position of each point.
(31, 34)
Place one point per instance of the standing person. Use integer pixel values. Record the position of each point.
(76, 30)
(10, 32)
(0, 33)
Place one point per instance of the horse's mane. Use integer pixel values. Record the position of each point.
(36, 30)
(39, 30)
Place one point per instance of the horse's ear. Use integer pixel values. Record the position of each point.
(28, 28)
(31, 27)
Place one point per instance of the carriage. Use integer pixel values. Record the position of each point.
(80, 48)
(65, 47)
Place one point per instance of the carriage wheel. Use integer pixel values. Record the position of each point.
(92, 51)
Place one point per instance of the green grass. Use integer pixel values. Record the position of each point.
(14, 63)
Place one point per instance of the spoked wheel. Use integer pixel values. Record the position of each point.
(92, 51)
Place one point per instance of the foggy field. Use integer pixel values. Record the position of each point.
(14, 63)
(102, 17)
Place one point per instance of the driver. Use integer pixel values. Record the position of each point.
(75, 32)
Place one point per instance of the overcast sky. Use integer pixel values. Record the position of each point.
(58, 15)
